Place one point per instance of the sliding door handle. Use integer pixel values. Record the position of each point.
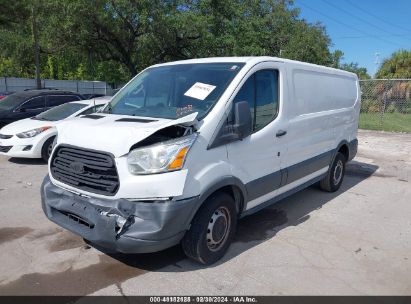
(281, 133)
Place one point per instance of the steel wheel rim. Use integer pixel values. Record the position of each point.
(218, 229)
(338, 172)
(49, 150)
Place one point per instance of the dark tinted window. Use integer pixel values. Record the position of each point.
(261, 92)
(11, 101)
(60, 112)
(266, 102)
(56, 100)
(247, 93)
(34, 103)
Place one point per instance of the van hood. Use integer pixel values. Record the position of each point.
(112, 133)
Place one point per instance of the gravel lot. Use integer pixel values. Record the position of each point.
(356, 241)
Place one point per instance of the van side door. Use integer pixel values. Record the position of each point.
(255, 160)
(309, 137)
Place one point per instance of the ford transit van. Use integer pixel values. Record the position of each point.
(187, 148)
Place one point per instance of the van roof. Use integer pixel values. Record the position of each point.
(254, 60)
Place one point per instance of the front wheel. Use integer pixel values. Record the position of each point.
(47, 149)
(212, 229)
(334, 178)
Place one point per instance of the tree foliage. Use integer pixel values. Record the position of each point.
(112, 40)
(396, 66)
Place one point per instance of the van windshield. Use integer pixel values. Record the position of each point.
(174, 91)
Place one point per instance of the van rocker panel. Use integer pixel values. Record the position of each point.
(149, 227)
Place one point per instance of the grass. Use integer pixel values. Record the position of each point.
(392, 122)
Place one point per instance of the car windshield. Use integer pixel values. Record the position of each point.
(173, 91)
(11, 101)
(60, 112)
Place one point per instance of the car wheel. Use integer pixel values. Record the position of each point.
(335, 175)
(47, 149)
(212, 229)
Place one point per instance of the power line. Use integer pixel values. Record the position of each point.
(349, 26)
(367, 36)
(377, 17)
(356, 16)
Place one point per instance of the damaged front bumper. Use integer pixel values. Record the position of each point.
(120, 225)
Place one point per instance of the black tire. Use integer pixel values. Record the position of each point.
(335, 175)
(46, 149)
(220, 214)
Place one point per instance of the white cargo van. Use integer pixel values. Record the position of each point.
(187, 148)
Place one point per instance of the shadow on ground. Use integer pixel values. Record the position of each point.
(27, 161)
(258, 227)
(114, 268)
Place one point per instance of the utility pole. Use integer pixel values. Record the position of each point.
(36, 42)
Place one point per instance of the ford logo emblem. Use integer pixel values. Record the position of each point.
(77, 167)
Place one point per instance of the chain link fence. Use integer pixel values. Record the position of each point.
(386, 105)
(14, 84)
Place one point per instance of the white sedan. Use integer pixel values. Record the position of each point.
(33, 137)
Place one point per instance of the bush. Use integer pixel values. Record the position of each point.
(390, 109)
(370, 106)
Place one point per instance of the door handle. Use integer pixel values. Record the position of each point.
(281, 133)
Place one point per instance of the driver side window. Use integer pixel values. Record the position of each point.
(261, 93)
(36, 103)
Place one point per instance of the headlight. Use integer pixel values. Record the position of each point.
(32, 133)
(163, 157)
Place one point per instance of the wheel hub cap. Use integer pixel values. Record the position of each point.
(338, 172)
(217, 229)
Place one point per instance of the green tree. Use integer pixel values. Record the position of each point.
(112, 40)
(354, 68)
(398, 65)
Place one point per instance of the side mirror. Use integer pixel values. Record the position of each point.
(243, 124)
(22, 110)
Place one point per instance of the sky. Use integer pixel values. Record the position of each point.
(362, 28)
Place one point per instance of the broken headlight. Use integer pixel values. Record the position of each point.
(162, 157)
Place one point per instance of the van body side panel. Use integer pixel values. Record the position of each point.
(345, 117)
(260, 191)
(320, 109)
(309, 133)
(206, 168)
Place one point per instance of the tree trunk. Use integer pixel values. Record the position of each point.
(36, 45)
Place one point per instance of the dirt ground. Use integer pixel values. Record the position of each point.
(353, 242)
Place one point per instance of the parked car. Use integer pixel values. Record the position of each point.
(3, 94)
(32, 102)
(187, 148)
(33, 137)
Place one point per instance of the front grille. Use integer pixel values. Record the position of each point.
(4, 136)
(5, 149)
(88, 170)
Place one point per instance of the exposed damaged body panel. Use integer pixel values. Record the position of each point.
(125, 226)
(111, 135)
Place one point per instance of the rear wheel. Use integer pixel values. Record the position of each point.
(335, 176)
(212, 229)
(47, 149)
